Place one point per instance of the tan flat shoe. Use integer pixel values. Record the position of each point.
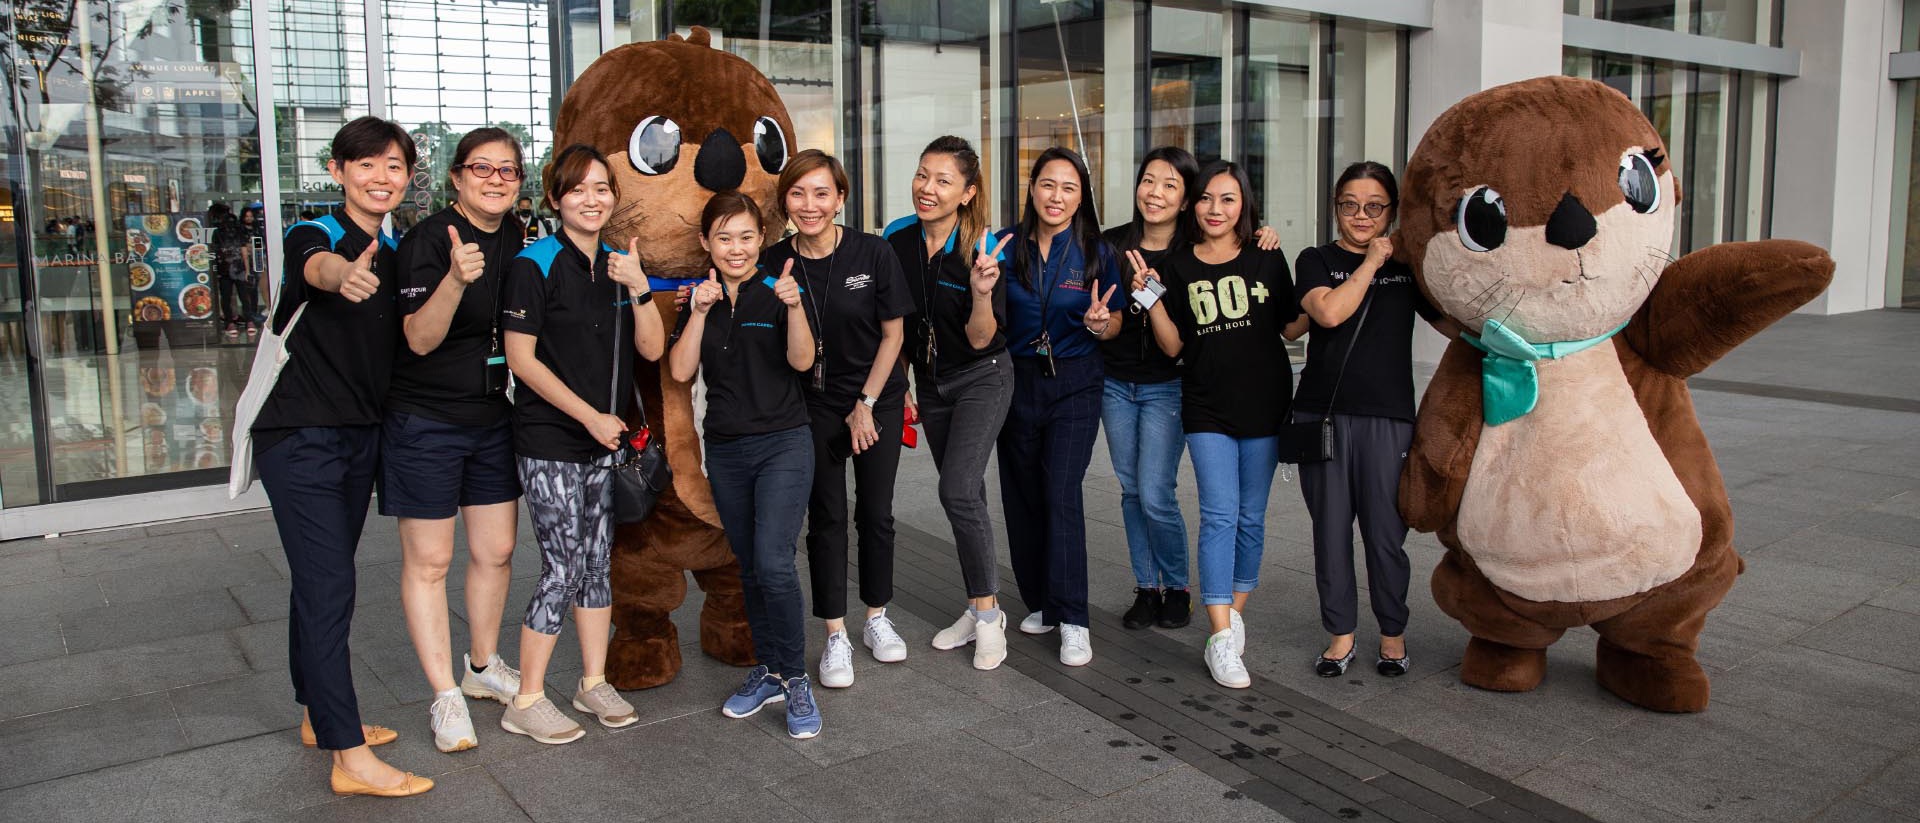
(345, 784)
(376, 735)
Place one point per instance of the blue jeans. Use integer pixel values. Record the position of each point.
(760, 486)
(1234, 474)
(1143, 438)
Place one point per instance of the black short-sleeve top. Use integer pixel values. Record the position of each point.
(584, 332)
(848, 295)
(1379, 374)
(1236, 375)
(751, 388)
(342, 352)
(449, 384)
(942, 291)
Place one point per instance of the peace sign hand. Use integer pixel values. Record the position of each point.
(467, 263)
(707, 293)
(360, 283)
(1097, 312)
(986, 266)
(1141, 271)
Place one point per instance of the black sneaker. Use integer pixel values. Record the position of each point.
(1146, 607)
(1176, 608)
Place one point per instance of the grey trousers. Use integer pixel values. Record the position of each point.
(1362, 482)
(962, 413)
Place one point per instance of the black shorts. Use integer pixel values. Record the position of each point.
(429, 470)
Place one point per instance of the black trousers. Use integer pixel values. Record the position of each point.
(1044, 449)
(1361, 481)
(320, 481)
(873, 474)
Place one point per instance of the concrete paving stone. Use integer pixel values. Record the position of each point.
(1480, 728)
(1904, 597)
(916, 781)
(29, 638)
(266, 777)
(109, 795)
(1756, 525)
(182, 526)
(1883, 526)
(263, 648)
(1734, 634)
(186, 577)
(1077, 746)
(1798, 591)
(263, 602)
(133, 552)
(886, 707)
(1181, 793)
(471, 794)
(1895, 787)
(250, 532)
(81, 679)
(57, 744)
(1905, 504)
(1848, 810)
(1003, 689)
(1576, 790)
(1725, 765)
(758, 804)
(669, 767)
(36, 566)
(146, 621)
(236, 707)
(49, 597)
(1850, 695)
(1885, 636)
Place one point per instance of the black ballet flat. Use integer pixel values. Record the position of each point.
(1329, 667)
(1394, 666)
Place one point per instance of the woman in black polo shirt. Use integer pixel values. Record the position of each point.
(745, 333)
(1362, 303)
(855, 295)
(570, 300)
(962, 377)
(447, 445)
(317, 437)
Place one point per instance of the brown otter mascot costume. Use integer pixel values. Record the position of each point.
(679, 120)
(1556, 453)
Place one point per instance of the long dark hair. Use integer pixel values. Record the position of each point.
(1189, 170)
(1249, 204)
(1085, 224)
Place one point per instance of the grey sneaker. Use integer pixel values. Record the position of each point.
(604, 702)
(957, 635)
(990, 643)
(500, 682)
(452, 725)
(541, 721)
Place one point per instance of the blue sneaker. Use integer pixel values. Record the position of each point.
(803, 715)
(760, 688)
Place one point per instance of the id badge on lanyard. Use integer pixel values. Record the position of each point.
(496, 366)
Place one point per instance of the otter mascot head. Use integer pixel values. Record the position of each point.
(1557, 453)
(679, 120)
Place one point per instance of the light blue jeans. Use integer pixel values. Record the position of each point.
(1235, 475)
(1144, 440)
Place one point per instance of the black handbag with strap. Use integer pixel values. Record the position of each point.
(640, 470)
(1311, 441)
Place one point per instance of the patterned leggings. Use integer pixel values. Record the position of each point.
(572, 509)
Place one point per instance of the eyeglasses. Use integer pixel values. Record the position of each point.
(484, 170)
(1349, 208)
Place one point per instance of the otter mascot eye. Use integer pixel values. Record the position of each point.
(655, 145)
(771, 144)
(1481, 219)
(1639, 182)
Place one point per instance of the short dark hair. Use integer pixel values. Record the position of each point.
(725, 205)
(569, 167)
(1249, 203)
(483, 136)
(803, 164)
(1378, 173)
(369, 136)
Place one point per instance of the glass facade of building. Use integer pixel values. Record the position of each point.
(1903, 242)
(1747, 21)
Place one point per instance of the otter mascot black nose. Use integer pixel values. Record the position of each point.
(1571, 225)
(721, 166)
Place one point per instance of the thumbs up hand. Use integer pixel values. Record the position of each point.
(625, 269)
(707, 293)
(360, 282)
(787, 288)
(466, 262)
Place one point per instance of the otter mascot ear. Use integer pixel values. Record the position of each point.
(679, 120)
(1557, 454)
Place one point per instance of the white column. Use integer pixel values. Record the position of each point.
(1119, 119)
(1834, 144)
(1474, 45)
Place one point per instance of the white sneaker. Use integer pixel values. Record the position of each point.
(1239, 629)
(879, 636)
(1223, 661)
(957, 635)
(1076, 645)
(1034, 624)
(452, 725)
(836, 663)
(990, 643)
(499, 682)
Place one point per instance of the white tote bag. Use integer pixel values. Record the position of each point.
(268, 359)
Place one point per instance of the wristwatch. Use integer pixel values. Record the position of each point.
(869, 400)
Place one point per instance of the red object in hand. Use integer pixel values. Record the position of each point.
(909, 436)
(639, 438)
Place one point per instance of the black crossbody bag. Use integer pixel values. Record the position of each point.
(640, 470)
(1311, 441)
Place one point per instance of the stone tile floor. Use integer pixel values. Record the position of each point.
(144, 673)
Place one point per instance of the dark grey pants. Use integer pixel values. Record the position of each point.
(1361, 481)
(962, 412)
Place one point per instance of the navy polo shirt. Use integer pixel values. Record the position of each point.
(1059, 295)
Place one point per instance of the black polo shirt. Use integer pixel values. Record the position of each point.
(849, 293)
(1379, 375)
(449, 384)
(1236, 377)
(751, 389)
(1132, 355)
(580, 317)
(942, 290)
(342, 351)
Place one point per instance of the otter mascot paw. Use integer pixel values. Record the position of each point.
(679, 120)
(1557, 454)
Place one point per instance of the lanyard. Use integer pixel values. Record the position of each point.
(820, 304)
